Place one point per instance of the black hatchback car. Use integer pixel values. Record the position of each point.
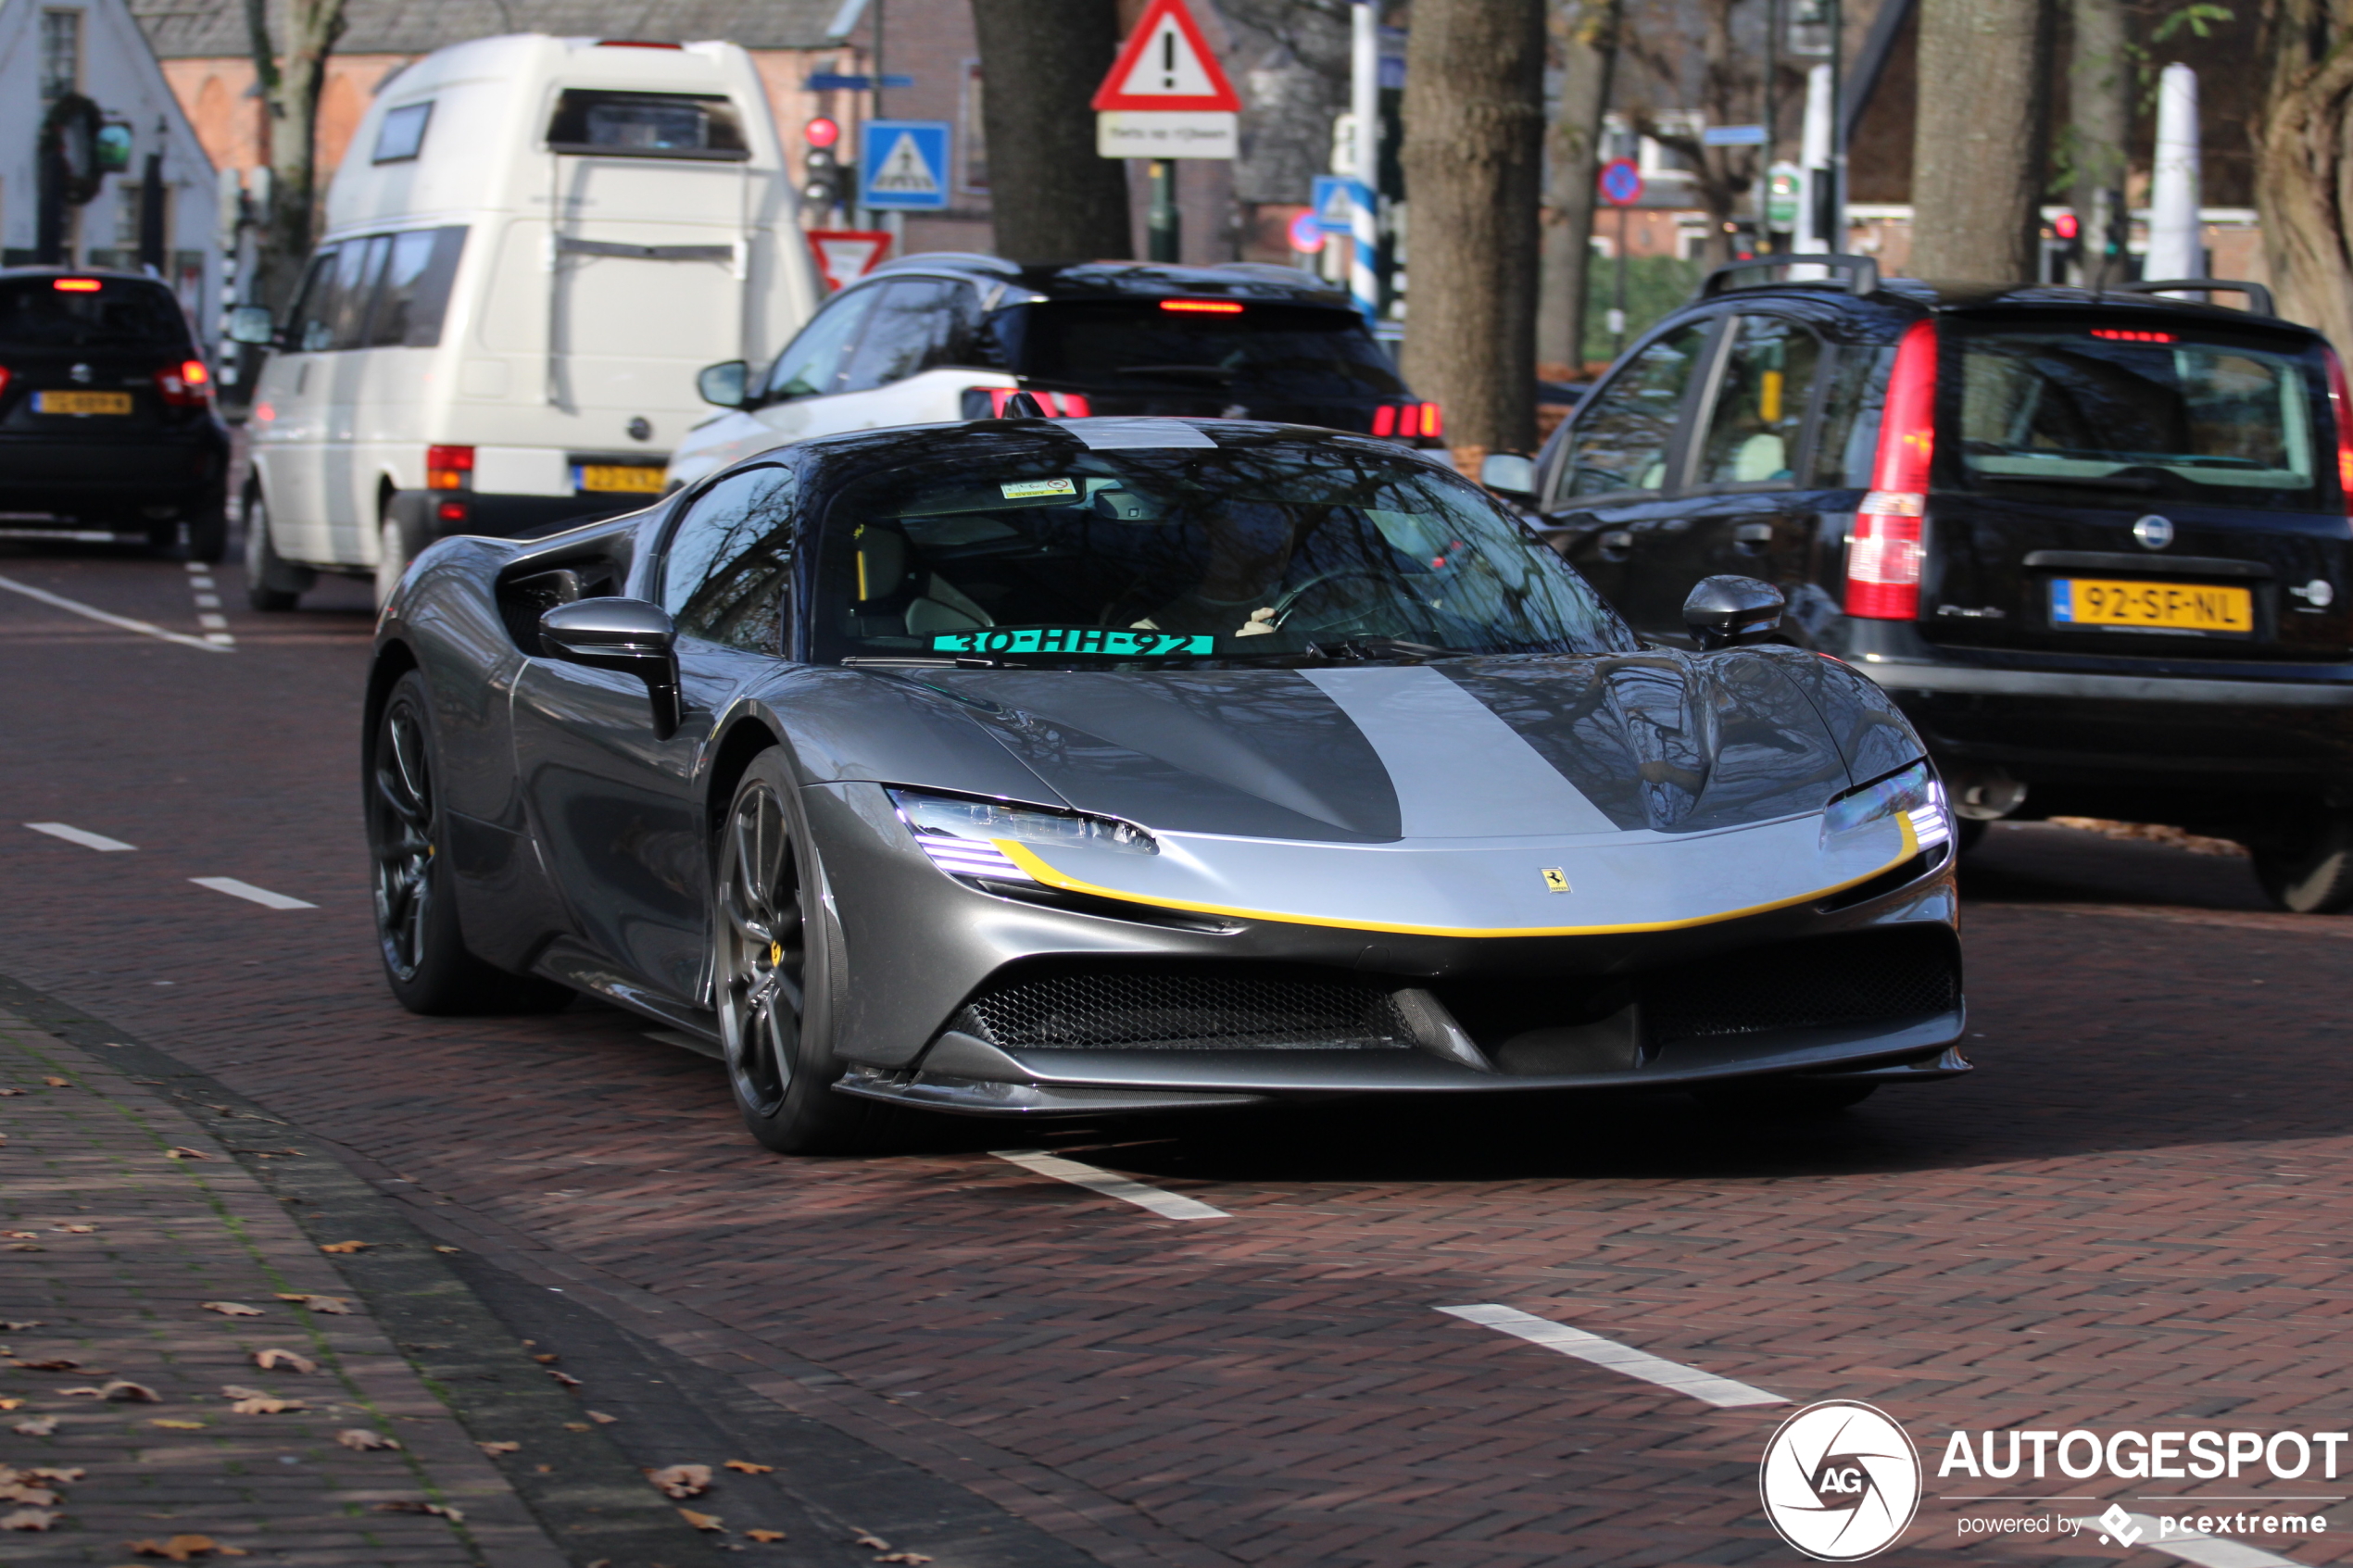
(2096, 544)
(107, 419)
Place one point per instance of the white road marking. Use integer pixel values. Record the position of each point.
(1704, 1386)
(195, 566)
(2207, 1551)
(213, 623)
(207, 601)
(78, 608)
(246, 890)
(82, 837)
(1167, 1205)
(223, 638)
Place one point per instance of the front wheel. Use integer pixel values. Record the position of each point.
(272, 583)
(2308, 868)
(770, 969)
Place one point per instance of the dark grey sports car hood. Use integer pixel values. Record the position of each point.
(1459, 749)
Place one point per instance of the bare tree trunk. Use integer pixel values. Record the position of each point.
(2100, 108)
(1977, 155)
(1053, 199)
(2304, 162)
(289, 83)
(1587, 32)
(1473, 165)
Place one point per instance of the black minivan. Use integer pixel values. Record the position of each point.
(107, 419)
(2096, 543)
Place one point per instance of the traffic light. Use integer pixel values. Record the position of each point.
(826, 184)
(2062, 247)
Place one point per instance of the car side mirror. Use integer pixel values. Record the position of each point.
(1509, 475)
(724, 383)
(252, 324)
(1725, 611)
(630, 635)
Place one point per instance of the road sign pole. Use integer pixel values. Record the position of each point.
(1618, 308)
(1162, 225)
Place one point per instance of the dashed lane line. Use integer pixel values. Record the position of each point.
(76, 606)
(1167, 1205)
(82, 837)
(247, 891)
(2207, 1551)
(1704, 1386)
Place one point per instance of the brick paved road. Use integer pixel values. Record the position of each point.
(2134, 1216)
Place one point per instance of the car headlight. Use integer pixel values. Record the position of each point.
(1915, 792)
(958, 833)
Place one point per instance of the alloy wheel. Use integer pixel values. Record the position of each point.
(762, 950)
(400, 832)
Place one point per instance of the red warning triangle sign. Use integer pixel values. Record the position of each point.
(1167, 65)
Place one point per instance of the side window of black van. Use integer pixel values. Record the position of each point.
(1624, 436)
(1762, 397)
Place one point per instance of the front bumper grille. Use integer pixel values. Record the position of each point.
(1870, 977)
(1181, 1008)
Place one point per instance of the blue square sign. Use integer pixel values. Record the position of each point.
(904, 164)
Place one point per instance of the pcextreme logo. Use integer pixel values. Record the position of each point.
(1840, 1481)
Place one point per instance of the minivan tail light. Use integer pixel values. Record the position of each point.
(2340, 407)
(1883, 567)
(1431, 423)
(1883, 554)
(1384, 421)
(449, 467)
(185, 385)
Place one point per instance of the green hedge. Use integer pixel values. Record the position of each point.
(1655, 284)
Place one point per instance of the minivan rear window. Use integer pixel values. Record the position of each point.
(1303, 352)
(2138, 411)
(682, 125)
(117, 313)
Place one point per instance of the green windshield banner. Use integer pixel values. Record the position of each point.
(1072, 639)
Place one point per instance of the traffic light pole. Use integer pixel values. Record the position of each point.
(1162, 225)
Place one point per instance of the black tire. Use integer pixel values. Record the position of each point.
(2309, 869)
(424, 954)
(1784, 1096)
(398, 543)
(771, 966)
(208, 533)
(163, 538)
(272, 583)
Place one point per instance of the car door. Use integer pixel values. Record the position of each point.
(614, 807)
(347, 485)
(1616, 505)
(290, 415)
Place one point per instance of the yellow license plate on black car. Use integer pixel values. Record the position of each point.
(627, 477)
(2169, 606)
(81, 402)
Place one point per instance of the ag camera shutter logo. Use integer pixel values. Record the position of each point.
(1840, 1481)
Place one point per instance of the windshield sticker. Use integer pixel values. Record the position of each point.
(1023, 489)
(1073, 639)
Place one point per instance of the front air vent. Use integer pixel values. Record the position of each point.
(1178, 1007)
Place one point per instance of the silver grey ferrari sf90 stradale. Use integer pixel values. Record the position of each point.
(1036, 767)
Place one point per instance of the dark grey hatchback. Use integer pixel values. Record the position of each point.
(2096, 544)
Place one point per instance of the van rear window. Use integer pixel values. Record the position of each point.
(1135, 345)
(682, 125)
(117, 313)
(2086, 410)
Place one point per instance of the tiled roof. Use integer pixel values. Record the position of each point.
(200, 29)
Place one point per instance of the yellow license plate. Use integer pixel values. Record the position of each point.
(621, 477)
(2173, 607)
(81, 402)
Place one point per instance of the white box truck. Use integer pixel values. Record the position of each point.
(531, 247)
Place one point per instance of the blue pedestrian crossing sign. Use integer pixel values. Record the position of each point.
(904, 164)
(1334, 202)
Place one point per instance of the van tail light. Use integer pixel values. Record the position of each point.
(1384, 421)
(1883, 551)
(449, 467)
(1408, 420)
(185, 385)
(2340, 406)
(1432, 424)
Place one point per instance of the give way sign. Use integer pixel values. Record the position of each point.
(844, 255)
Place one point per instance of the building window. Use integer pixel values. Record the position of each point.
(975, 140)
(60, 54)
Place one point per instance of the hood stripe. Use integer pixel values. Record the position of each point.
(1459, 771)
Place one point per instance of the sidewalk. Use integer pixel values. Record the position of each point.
(144, 1270)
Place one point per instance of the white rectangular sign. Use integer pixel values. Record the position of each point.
(1166, 133)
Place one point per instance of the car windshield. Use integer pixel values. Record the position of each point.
(54, 312)
(2142, 410)
(1127, 345)
(1286, 552)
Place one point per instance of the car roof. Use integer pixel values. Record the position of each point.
(1917, 297)
(1241, 280)
(994, 437)
(110, 274)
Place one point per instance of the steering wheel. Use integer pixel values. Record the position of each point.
(1284, 606)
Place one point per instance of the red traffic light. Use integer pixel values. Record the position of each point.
(2066, 226)
(822, 132)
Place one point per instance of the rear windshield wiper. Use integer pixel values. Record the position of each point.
(2085, 481)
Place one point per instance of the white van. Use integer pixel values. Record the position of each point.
(531, 247)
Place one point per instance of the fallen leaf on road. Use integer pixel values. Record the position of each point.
(547, 1360)
(182, 1548)
(63, 1477)
(25, 1247)
(746, 1467)
(72, 1393)
(871, 1542)
(448, 1249)
(439, 1511)
(39, 1426)
(29, 1519)
(346, 1246)
(20, 1236)
(56, 1082)
(269, 1360)
(499, 1448)
(701, 1521)
(10, 1404)
(578, 1426)
(564, 1377)
(11, 1326)
(53, 1363)
(359, 1438)
(6, 1092)
(262, 1404)
(75, 1230)
(764, 1537)
(181, 1151)
(601, 1419)
(903, 1557)
(40, 1496)
(233, 1309)
(682, 1480)
(179, 1425)
(316, 1303)
(122, 1391)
